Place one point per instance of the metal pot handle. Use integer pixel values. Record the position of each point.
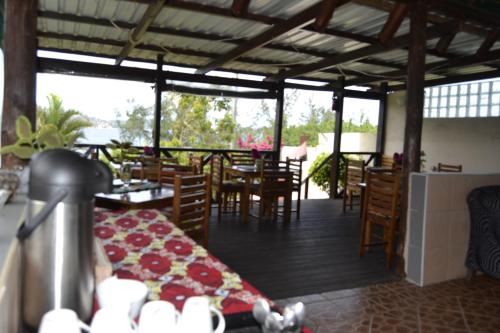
(27, 228)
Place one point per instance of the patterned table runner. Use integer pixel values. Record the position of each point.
(144, 245)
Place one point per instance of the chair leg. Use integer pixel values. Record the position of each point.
(350, 199)
(344, 200)
(298, 206)
(219, 206)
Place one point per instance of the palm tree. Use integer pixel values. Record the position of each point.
(69, 123)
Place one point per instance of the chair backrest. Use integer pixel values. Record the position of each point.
(217, 171)
(191, 206)
(382, 196)
(167, 172)
(241, 158)
(354, 173)
(295, 166)
(275, 183)
(197, 163)
(387, 161)
(449, 168)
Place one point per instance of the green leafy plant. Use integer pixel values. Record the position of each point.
(123, 150)
(322, 177)
(30, 142)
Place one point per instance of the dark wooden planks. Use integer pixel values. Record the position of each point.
(315, 254)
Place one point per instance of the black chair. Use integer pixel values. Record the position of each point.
(484, 242)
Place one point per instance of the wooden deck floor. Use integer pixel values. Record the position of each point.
(315, 254)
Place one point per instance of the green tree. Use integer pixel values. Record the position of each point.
(69, 123)
(137, 124)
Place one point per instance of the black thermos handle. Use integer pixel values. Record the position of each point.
(26, 229)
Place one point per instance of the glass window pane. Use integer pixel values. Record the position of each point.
(485, 99)
(453, 90)
(443, 101)
(473, 100)
(453, 101)
(444, 91)
(426, 102)
(463, 89)
(474, 88)
(435, 102)
(462, 112)
(442, 112)
(472, 111)
(495, 99)
(463, 100)
(433, 113)
(496, 86)
(485, 87)
(495, 110)
(483, 111)
(452, 113)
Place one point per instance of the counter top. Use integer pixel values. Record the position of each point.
(10, 217)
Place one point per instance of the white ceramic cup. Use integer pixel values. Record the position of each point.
(107, 320)
(197, 317)
(158, 317)
(114, 292)
(61, 321)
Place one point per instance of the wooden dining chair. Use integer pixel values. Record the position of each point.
(196, 161)
(449, 168)
(167, 171)
(226, 191)
(353, 177)
(387, 161)
(191, 206)
(273, 185)
(241, 158)
(295, 167)
(381, 208)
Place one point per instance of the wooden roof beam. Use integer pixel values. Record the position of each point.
(466, 11)
(398, 42)
(384, 5)
(444, 42)
(325, 14)
(240, 7)
(396, 17)
(135, 37)
(299, 20)
(488, 42)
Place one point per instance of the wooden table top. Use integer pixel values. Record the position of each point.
(151, 198)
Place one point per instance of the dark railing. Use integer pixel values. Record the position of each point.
(373, 155)
(89, 149)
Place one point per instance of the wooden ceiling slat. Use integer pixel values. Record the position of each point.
(445, 42)
(325, 14)
(297, 21)
(240, 7)
(398, 42)
(391, 26)
(149, 16)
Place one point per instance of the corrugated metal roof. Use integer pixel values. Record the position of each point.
(351, 18)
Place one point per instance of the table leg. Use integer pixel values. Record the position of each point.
(245, 200)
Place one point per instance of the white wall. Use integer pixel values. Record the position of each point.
(472, 142)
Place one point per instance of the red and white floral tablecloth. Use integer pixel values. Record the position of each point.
(144, 245)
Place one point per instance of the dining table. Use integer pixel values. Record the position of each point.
(142, 244)
(137, 195)
(248, 173)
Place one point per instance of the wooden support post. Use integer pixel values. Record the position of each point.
(382, 116)
(414, 113)
(20, 70)
(338, 108)
(278, 120)
(157, 118)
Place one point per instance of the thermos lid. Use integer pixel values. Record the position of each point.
(56, 169)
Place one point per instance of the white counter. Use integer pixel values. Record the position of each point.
(438, 226)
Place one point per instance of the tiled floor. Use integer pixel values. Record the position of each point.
(455, 306)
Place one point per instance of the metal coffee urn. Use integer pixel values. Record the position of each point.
(57, 236)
